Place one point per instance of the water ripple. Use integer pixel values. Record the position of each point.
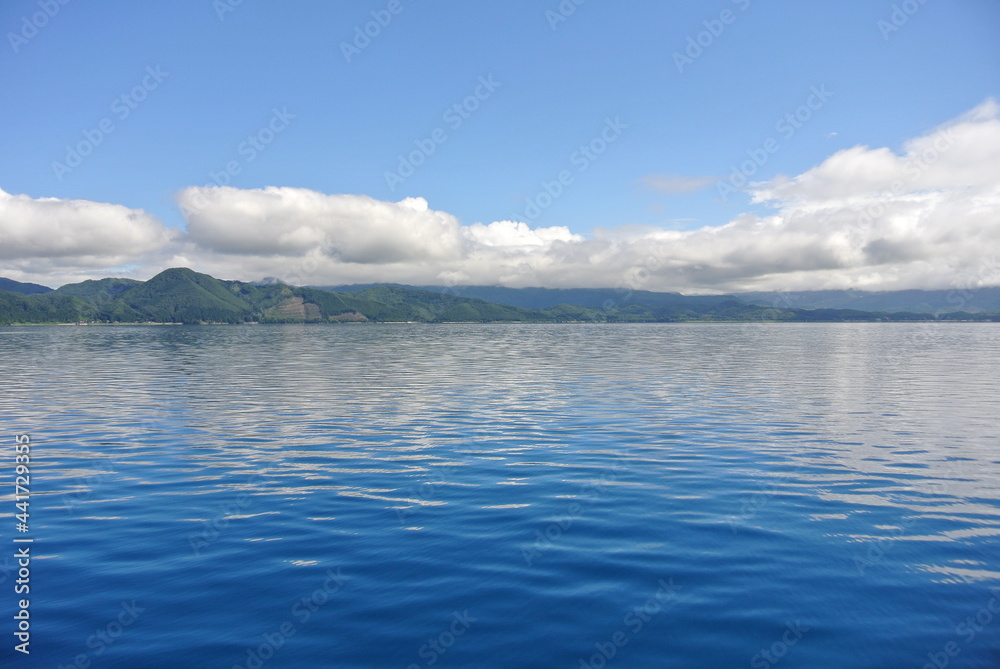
(379, 488)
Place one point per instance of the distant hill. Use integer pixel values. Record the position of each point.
(12, 286)
(594, 298)
(186, 296)
(182, 295)
(42, 308)
(98, 288)
(937, 302)
(541, 298)
(973, 300)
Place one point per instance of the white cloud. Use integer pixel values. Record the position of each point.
(291, 221)
(516, 234)
(960, 154)
(308, 237)
(51, 238)
(926, 217)
(868, 218)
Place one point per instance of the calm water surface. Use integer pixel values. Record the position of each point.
(507, 496)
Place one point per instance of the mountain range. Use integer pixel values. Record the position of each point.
(182, 295)
(937, 302)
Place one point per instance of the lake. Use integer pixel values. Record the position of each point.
(688, 495)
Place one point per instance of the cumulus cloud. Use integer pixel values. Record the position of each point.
(517, 235)
(49, 228)
(925, 216)
(49, 238)
(292, 221)
(301, 235)
(867, 218)
(959, 155)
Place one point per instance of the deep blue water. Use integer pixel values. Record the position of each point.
(761, 495)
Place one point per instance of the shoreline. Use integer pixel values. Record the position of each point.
(370, 323)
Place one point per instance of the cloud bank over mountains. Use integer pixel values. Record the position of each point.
(865, 218)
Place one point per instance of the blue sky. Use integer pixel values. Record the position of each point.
(344, 121)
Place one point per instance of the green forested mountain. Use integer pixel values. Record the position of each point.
(184, 296)
(12, 286)
(100, 288)
(46, 308)
(542, 298)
